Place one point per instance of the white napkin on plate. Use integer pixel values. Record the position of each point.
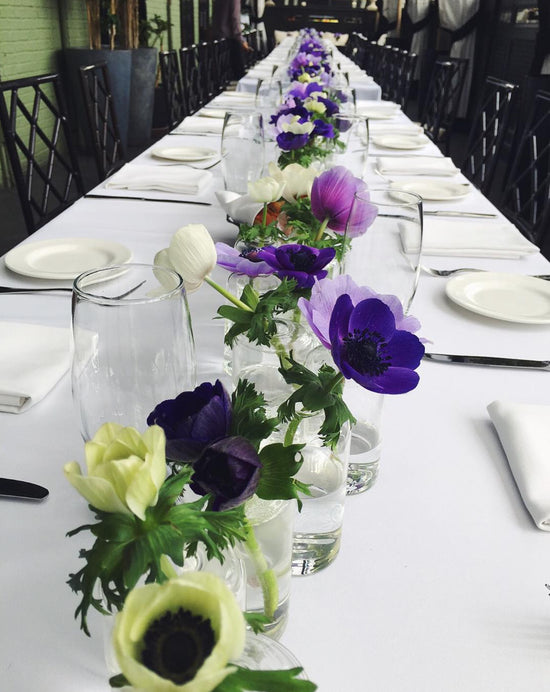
(468, 238)
(241, 208)
(524, 431)
(178, 179)
(33, 358)
(419, 165)
(194, 125)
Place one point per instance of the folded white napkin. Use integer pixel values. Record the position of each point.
(524, 431)
(185, 181)
(419, 165)
(197, 125)
(468, 238)
(240, 208)
(33, 358)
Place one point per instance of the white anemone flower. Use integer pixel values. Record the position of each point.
(191, 253)
(298, 179)
(266, 190)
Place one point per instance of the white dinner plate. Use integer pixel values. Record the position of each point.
(401, 141)
(433, 190)
(65, 258)
(184, 153)
(509, 297)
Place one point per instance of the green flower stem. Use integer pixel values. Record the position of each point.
(338, 378)
(265, 574)
(279, 349)
(291, 430)
(167, 567)
(321, 230)
(226, 294)
(264, 217)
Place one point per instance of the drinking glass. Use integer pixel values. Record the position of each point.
(366, 437)
(269, 95)
(242, 150)
(377, 258)
(133, 344)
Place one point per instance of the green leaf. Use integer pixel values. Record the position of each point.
(265, 681)
(249, 417)
(279, 466)
(256, 621)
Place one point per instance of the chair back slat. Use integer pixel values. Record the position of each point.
(102, 119)
(39, 146)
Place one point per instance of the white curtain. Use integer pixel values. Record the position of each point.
(453, 15)
(417, 11)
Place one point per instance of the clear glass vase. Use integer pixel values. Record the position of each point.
(260, 364)
(268, 570)
(235, 285)
(318, 526)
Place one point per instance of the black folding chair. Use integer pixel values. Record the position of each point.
(39, 145)
(172, 86)
(100, 110)
(190, 78)
(442, 100)
(489, 128)
(525, 200)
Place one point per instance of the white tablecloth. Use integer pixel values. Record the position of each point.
(440, 582)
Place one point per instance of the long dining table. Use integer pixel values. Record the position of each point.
(439, 585)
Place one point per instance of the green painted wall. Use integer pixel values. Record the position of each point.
(160, 7)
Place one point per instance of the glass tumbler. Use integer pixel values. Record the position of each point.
(242, 150)
(378, 258)
(133, 344)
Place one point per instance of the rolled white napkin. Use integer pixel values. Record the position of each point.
(33, 358)
(524, 431)
(419, 165)
(178, 179)
(241, 208)
(468, 238)
(194, 125)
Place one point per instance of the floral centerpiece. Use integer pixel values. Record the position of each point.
(203, 442)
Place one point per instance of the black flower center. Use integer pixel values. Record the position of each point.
(366, 352)
(176, 645)
(302, 259)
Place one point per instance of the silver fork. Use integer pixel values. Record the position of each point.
(459, 270)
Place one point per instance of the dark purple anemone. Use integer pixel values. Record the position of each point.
(193, 420)
(323, 129)
(367, 347)
(287, 141)
(229, 470)
(300, 262)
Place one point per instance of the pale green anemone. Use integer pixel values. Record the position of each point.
(179, 636)
(125, 469)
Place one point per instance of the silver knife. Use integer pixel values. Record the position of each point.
(22, 489)
(494, 361)
(148, 199)
(467, 214)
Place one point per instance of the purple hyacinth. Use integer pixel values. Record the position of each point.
(243, 263)
(367, 347)
(193, 420)
(324, 294)
(332, 197)
(300, 262)
(229, 470)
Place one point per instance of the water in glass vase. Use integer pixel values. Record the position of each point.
(364, 457)
(318, 527)
(273, 523)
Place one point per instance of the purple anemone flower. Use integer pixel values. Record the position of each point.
(302, 91)
(324, 294)
(229, 470)
(331, 106)
(323, 129)
(287, 141)
(332, 197)
(193, 420)
(300, 262)
(243, 263)
(367, 347)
